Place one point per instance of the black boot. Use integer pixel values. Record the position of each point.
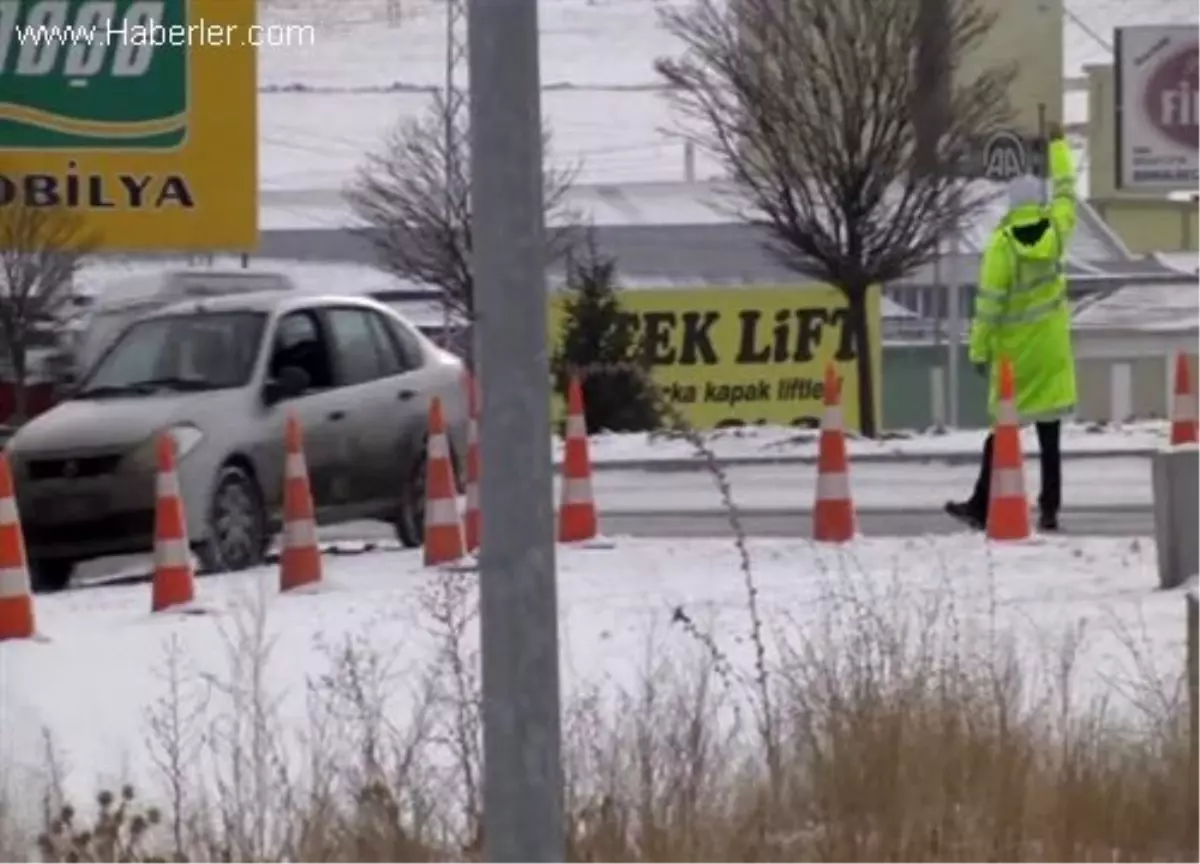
(967, 513)
(1047, 521)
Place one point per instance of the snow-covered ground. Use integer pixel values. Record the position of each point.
(357, 44)
(316, 141)
(776, 442)
(330, 95)
(101, 675)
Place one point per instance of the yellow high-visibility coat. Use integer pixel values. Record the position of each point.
(1021, 310)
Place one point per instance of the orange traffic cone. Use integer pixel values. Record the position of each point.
(1183, 407)
(443, 528)
(1008, 506)
(300, 557)
(174, 581)
(471, 524)
(577, 519)
(16, 595)
(833, 513)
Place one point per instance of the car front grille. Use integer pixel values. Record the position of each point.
(82, 466)
(136, 525)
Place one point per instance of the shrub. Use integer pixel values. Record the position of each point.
(600, 343)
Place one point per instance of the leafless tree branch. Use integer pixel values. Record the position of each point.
(413, 197)
(41, 249)
(810, 105)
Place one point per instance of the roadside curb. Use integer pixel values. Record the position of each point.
(805, 510)
(682, 464)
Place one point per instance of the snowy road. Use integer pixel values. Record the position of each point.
(1104, 497)
(1123, 482)
(1091, 522)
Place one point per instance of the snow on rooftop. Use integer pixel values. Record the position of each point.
(1184, 262)
(1148, 306)
(1145, 307)
(119, 280)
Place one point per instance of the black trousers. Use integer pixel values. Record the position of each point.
(1049, 449)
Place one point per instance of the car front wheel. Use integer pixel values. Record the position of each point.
(237, 524)
(50, 576)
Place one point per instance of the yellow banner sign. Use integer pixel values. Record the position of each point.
(139, 115)
(743, 356)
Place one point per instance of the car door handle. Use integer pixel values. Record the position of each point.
(405, 395)
(337, 415)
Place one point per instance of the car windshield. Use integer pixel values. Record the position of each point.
(194, 351)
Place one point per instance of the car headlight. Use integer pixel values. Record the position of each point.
(186, 436)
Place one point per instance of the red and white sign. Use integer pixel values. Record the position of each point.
(1158, 105)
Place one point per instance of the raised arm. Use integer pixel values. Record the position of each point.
(1063, 208)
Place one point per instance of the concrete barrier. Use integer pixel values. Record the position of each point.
(1176, 514)
(1193, 673)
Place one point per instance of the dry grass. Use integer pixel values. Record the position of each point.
(892, 752)
(868, 738)
(888, 743)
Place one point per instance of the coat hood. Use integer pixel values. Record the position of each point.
(1028, 229)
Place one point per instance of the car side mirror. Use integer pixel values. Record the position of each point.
(290, 382)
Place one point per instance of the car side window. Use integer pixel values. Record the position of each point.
(407, 342)
(300, 342)
(391, 355)
(358, 353)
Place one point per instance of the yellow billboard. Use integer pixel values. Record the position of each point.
(744, 356)
(138, 115)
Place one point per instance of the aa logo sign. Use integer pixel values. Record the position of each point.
(745, 356)
(132, 114)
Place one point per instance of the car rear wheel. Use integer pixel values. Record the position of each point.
(410, 518)
(50, 576)
(237, 524)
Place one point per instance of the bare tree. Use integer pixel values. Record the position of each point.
(414, 198)
(810, 105)
(41, 249)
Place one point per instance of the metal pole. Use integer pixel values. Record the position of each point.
(522, 782)
(455, 55)
(1043, 169)
(931, 109)
(954, 326)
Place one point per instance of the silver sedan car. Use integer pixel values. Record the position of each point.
(221, 375)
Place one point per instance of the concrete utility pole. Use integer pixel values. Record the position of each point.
(522, 782)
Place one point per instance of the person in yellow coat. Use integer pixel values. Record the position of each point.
(1022, 313)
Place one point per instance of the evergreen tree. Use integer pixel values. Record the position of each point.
(599, 342)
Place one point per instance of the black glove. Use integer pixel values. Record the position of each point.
(981, 369)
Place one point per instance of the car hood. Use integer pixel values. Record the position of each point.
(111, 423)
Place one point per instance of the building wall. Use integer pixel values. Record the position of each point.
(1116, 384)
(1151, 224)
(911, 375)
(1129, 372)
(1146, 223)
(1028, 33)
(1126, 387)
